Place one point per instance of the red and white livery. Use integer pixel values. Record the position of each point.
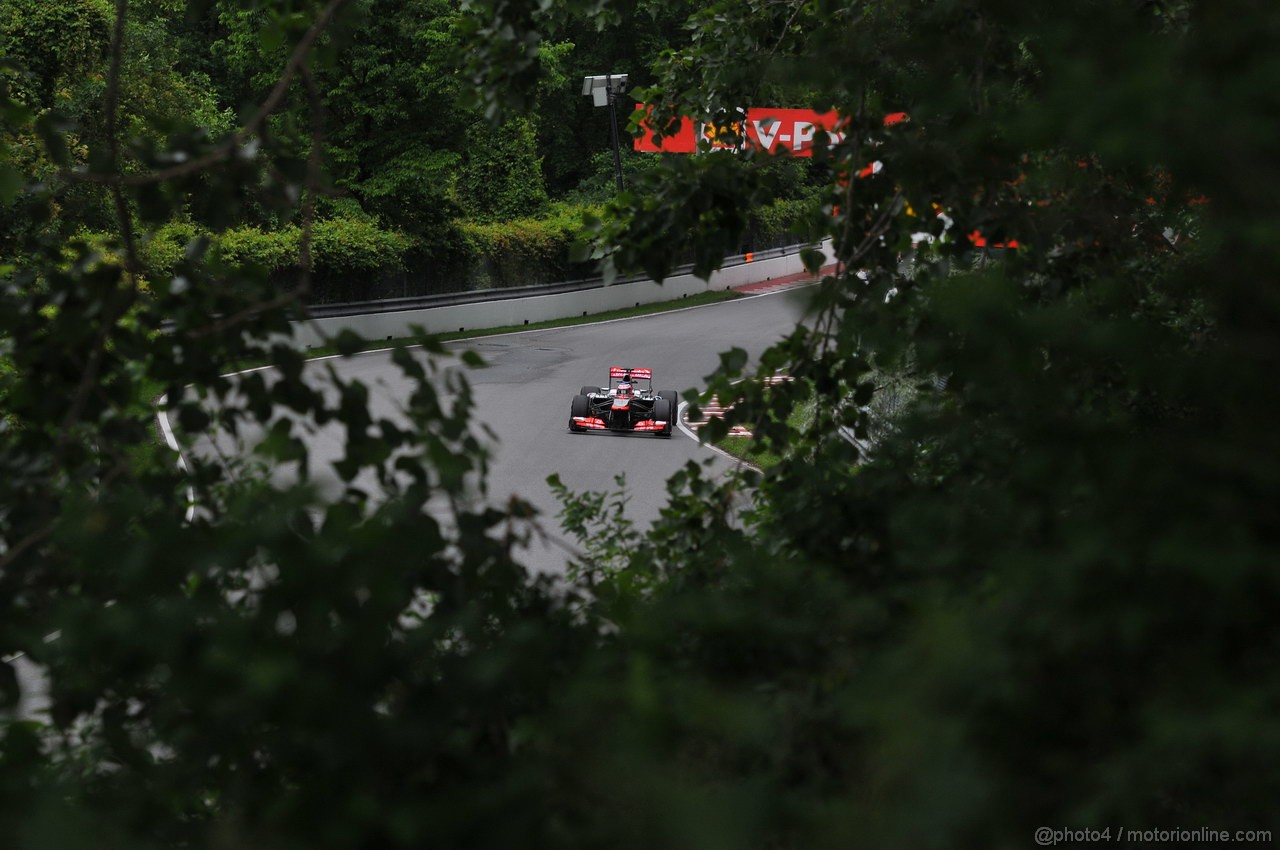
(629, 403)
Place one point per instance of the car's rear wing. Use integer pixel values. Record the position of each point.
(619, 373)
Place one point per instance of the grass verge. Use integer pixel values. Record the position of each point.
(754, 453)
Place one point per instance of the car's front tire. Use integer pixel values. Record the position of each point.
(580, 406)
(674, 398)
(664, 410)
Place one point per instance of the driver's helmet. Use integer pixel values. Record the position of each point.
(624, 389)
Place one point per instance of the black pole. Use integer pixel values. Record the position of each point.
(613, 131)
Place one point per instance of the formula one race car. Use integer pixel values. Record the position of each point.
(629, 405)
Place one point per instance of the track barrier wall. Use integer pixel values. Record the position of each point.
(503, 310)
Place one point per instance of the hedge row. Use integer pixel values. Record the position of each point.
(338, 245)
(524, 251)
(527, 251)
(781, 223)
(353, 258)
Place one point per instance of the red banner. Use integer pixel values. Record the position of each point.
(791, 131)
(771, 130)
(683, 140)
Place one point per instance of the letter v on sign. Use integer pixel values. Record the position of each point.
(767, 131)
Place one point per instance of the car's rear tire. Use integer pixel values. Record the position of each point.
(663, 410)
(588, 390)
(580, 406)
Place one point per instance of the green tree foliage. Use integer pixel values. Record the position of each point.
(392, 104)
(57, 45)
(186, 726)
(524, 251)
(1047, 599)
(574, 135)
(50, 55)
(400, 144)
(501, 176)
(1043, 600)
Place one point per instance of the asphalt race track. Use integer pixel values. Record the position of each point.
(524, 391)
(523, 394)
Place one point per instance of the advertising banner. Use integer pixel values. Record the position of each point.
(789, 131)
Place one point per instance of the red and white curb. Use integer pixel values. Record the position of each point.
(771, 287)
(682, 422)
(714, 410)
(791, 281)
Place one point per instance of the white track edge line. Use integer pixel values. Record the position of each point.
(162, 414)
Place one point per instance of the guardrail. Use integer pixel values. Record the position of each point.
(517, 306)
(450, 299)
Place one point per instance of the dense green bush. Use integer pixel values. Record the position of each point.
(781, 222)
(339, 245)
(453, 255)
(525, 251)
(474, 254)
(253, 246)
(347, 245)
(167, 246)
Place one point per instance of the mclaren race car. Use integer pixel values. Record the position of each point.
(628, 404)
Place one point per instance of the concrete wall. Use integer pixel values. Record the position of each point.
(541, 308)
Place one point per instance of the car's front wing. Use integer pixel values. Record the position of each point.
(599, 423)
